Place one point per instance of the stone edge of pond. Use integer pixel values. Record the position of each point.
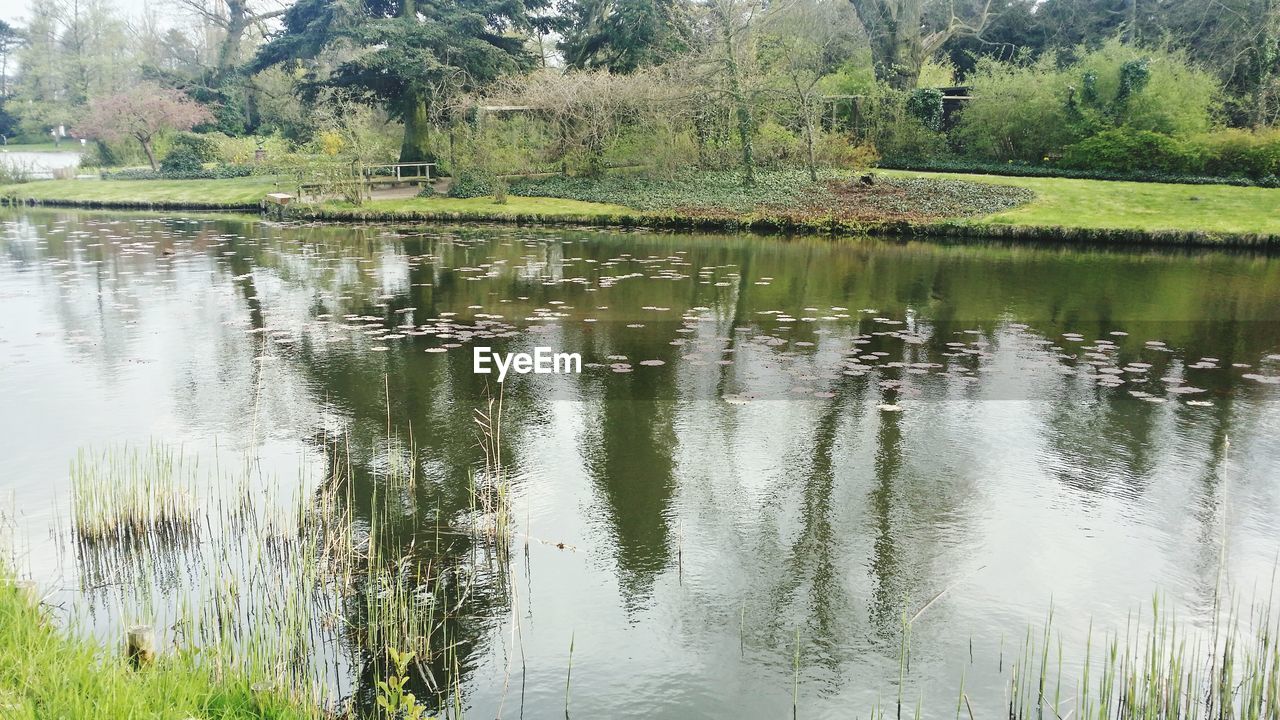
(750, 223)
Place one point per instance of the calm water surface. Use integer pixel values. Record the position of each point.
(771, 438)
(39, 164)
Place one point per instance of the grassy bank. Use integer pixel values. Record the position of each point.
(48, 673)
(1067, 210)
(1105, 204)
(235, 193)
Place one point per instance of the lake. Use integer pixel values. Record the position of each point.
(777, 449)
(39, 164)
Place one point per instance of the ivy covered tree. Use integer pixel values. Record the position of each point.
(406, 55)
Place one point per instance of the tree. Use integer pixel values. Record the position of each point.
(10, 40)
(409, 55)
(804, 42)
(905, 33)
(232, 19)
(732, 58)
(622, 35)
(141, 113)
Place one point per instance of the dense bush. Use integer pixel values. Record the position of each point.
(181, 159)
(217, 172)
(1240, 152)
(1146, 88)
(1030, 111)
(202, 147)
(1018, 112)
(925, 104)
(1126, 150)
(469, 183)
(885, 123)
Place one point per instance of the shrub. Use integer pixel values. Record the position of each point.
(1127, 150)
(1018, 112)
(1147, 88)
(959, 165)
(893, 131)
(181, 159)
(1241, 152)
(835, 150)
(776, 146)
(925, 105)
(218, 172)
(470, 183)
(202, 147)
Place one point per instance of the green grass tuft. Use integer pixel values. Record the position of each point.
(49, 673)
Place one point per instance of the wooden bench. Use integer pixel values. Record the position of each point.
(389, 174)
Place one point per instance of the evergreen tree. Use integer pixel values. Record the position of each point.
(406, 55)
(622, 35)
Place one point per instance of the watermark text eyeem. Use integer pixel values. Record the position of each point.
(542, 361)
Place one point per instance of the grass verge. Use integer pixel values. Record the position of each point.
(234, 193)
(1114, 205)
(48, 673)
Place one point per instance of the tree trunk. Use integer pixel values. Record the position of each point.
(894, 29)
(229, 51)
(151, 155)
(808, 133)
(742, 108)
(416, 146)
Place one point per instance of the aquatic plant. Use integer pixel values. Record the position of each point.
(127, 493)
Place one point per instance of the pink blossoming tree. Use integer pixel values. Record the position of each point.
(141, 113)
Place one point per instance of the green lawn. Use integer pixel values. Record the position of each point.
(48, 673)
(202, 193)
(1101, 204)
(1089, 204)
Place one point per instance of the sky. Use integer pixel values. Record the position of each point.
(16, 11)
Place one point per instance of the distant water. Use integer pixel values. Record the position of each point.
(41, 165)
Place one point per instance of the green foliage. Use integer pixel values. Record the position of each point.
(396, 702)
(188, 153)
(777, 147)
(1029, 111)
(1241, 153)
(1018, 112)
(893, 131)
(1016, 170)
(217, 172)
(469, 183)
(836, 150)
(415, 55)
(46, 673)
(1126, 150)
(714, 189)
(925, 105)
(787, 190)
(202, 147)
(622, 37)
(1146, 88)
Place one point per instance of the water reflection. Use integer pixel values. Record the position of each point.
(771, 438)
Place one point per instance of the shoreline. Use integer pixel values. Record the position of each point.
(763, 224)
